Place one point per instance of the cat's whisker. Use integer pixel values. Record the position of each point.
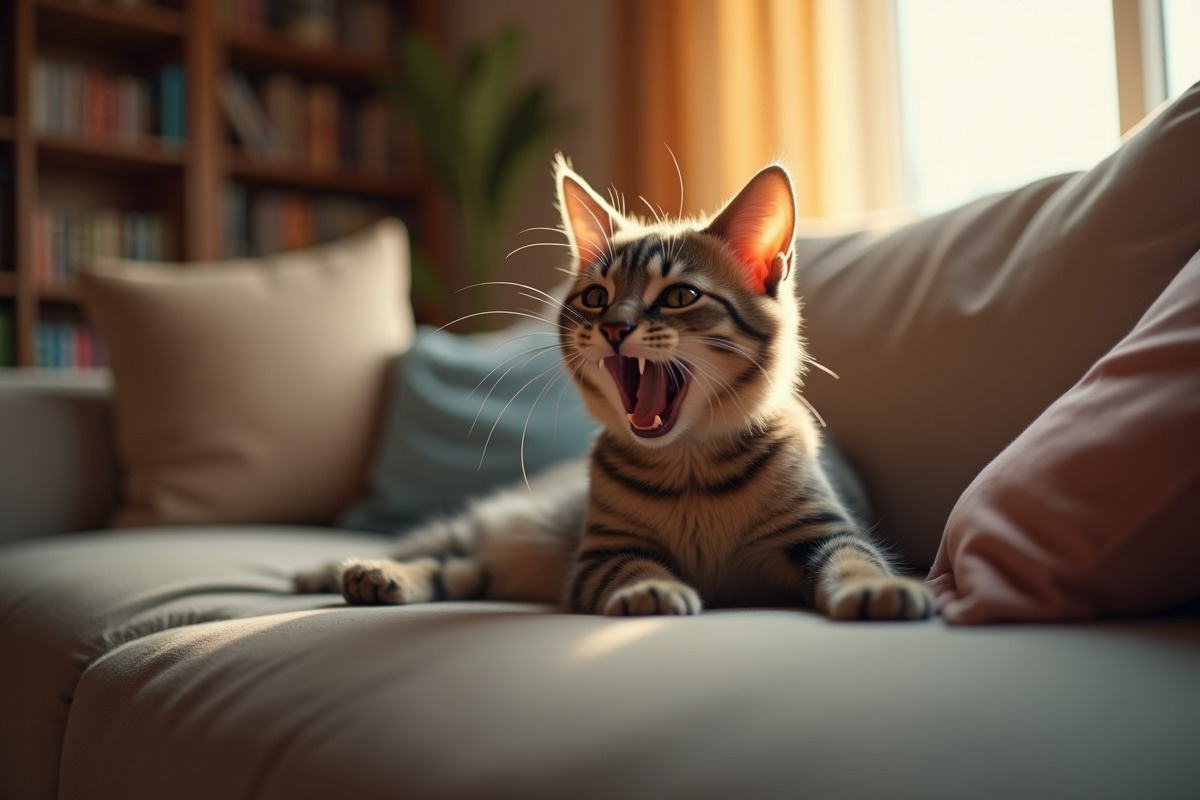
(542, 296)
(678, 172)
(559, 230)
(499, 312)
(500, 416)
(529, 416)
(537, 244)
(812, 410)
(713, 375)
(731, 347)
(607, 239)
(810, 360)
(657, 218)
(495, 385)
(556, 305)
(532, 353)
(716, 380)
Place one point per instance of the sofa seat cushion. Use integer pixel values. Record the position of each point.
(491, 700)
(178, 664)
(67, 600)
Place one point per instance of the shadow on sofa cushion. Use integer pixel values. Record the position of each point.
(249, 391)
(465, 414)
(1094, 511)
(952, 334)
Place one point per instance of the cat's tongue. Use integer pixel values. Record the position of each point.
(651, 398)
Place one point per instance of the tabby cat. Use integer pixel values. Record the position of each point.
(704, 487)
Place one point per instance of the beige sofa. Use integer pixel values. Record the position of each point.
(173, 659)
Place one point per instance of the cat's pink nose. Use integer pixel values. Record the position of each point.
(615, 332)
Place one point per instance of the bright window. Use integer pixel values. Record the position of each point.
(996, 94)
(1181, 26)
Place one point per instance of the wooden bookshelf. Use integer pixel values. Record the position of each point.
(50, 161)
(108, 24)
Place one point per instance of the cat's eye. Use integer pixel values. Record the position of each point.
(594, 297)
(679, 295)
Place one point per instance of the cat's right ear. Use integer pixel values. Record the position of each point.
(589, 222)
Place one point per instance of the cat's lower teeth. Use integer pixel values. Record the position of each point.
(655, 426)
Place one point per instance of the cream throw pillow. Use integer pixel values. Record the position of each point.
(250, 390)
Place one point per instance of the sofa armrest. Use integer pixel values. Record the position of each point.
(58, 463)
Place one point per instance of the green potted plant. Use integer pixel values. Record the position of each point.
(483, 133)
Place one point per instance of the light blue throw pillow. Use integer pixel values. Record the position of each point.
(457, 410)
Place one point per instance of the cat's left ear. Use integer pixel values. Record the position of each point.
(588, 220)
(759, 224)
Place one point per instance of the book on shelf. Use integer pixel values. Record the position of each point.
(317, 125)
(246, 115)
(64, 239)
(67, 345)
(172, 103)
(272, 221)
(362, 27)
(70, 100)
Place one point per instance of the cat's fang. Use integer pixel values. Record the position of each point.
(652, 427)
(641, 366)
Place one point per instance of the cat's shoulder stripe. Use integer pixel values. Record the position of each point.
(645, 488)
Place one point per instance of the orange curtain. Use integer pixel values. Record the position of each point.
(730, 85)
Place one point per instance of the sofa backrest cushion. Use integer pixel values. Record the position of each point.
(249, 391)
(952, 334)
(467, 414)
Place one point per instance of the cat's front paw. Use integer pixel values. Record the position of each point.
(653, 598)
(884, 597)
(374, 582)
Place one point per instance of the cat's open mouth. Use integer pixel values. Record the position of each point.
(651, 391)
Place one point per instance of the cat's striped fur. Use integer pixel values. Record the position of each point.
(704, 487)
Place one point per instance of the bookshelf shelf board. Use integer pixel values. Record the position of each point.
(8, 129)
(146, 154)
(271, 52)
(58, 293)
(336, 179)
(107, 24)
(8, 283)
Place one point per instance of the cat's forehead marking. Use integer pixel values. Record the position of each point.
(647, 256)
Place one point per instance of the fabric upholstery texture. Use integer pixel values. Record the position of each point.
(466, 414)
(1094, 510)
(952, 334)
(58, 470)
(175, 663)
(250, 391)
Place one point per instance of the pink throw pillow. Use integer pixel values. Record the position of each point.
(1094, 510)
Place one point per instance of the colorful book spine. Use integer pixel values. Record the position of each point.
(64, 239)
(172, 99)
(70, 100)
(270, 222)
(318, 126)
(67, 345)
